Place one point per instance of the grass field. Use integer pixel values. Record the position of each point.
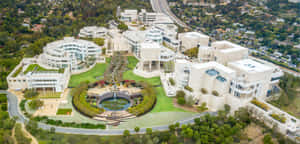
(90, 75)
(164, 103)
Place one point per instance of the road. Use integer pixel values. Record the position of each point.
(162, 6)
(14, 111)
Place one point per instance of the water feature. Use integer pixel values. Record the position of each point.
(115, 104)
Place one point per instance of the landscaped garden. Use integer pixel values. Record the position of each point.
(96, 73)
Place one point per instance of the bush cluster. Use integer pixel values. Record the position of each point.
(180, 96)
(172, 82)
(149, 99)
(79, 101)
(30, 93)
(3, 102)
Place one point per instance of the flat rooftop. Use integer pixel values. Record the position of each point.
(150, 44)
(214, 65)
(194, 34)
(135, 35)
(250, 66)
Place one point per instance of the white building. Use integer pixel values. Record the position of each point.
(222, 52)
(129, 16)
(93, 32)
(149, 18)
(53, 80)
(169, 32)
(146, 18)
(69, 52)
(152, 57)
(216, 84)
(192, 39)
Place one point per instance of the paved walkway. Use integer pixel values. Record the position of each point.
(14, 111)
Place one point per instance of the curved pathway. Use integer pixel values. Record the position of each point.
(14, 111)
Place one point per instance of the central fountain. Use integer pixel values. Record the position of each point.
(115, 100)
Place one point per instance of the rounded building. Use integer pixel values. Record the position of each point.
(70, 52)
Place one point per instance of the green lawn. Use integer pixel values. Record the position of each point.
(129, 75)
(64, 111)
(90, 75)
(164, 103)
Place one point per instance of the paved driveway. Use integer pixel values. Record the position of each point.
(14, 111)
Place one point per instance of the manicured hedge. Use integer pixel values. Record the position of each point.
(46, 120)
(149, 99)
(79, 101)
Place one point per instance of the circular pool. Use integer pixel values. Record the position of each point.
(109, 102)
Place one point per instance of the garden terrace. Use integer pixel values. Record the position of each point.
(260, 104)
(36, 67)
(117, 67)
(279, 118)
(92, 75)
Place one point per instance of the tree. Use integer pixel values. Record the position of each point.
(180, 93)
(122, 26)
(149, 131)
(136, 129)
(52, 130)
(203, 107)
(35, 104)
(126, 133)
(227, 108)
(267, 139)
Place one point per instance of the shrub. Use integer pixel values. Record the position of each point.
(215, 93)
(188, 88)
(203, 90)
(3, 98)
(180, 93)
(30, 93)
(203, 107)
(260, 104)
(181, 100)
(22, 104)
(35, 104)
(4, 107)
(172, 82)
